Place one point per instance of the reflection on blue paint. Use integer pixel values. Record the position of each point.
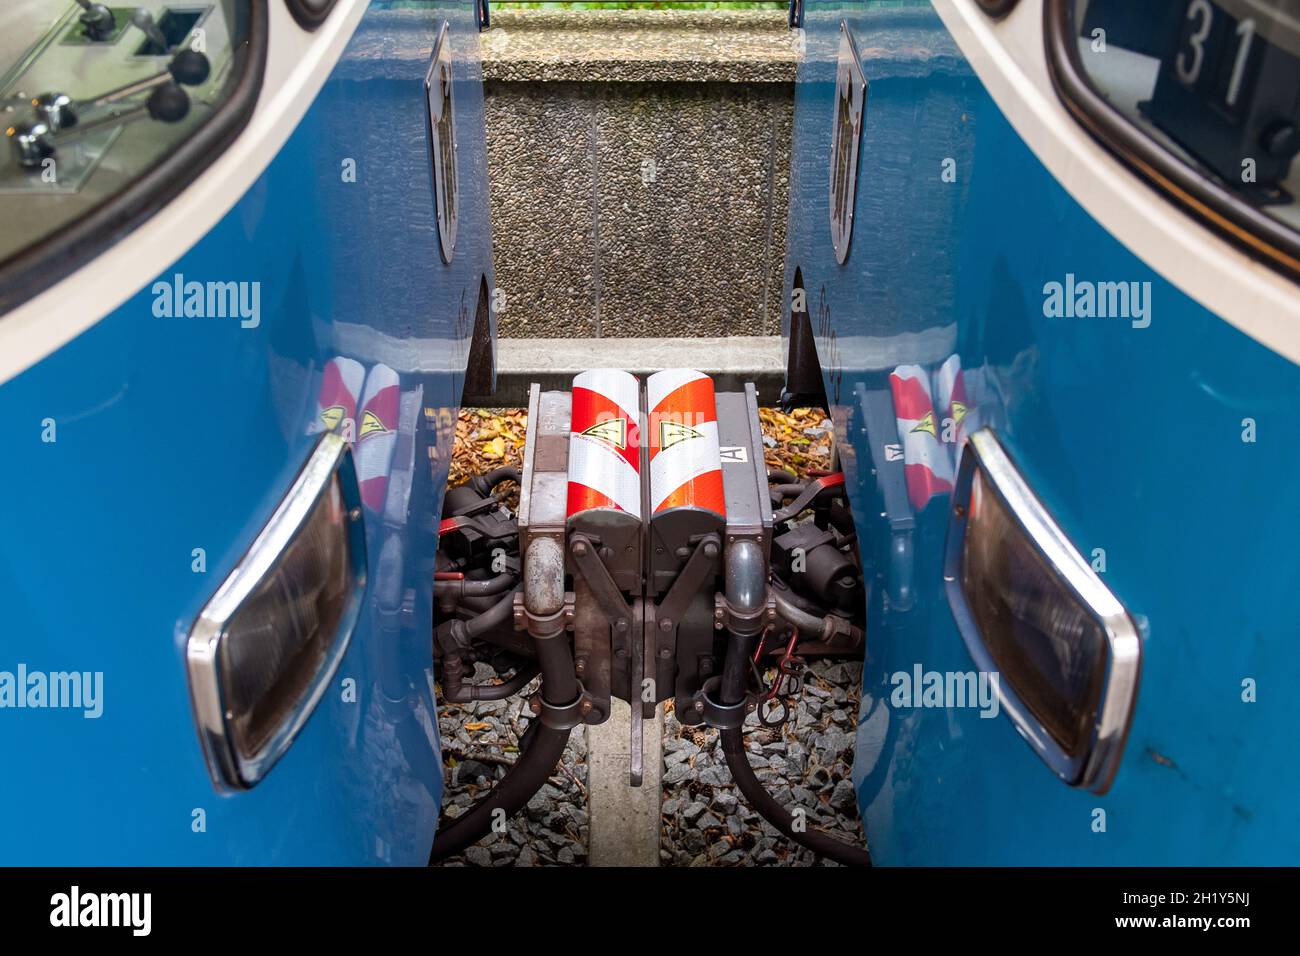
(181, 433)
(1131, 432)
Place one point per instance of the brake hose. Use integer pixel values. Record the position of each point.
(733, 747)
(542, 746)
(732, 691)
(540, 750)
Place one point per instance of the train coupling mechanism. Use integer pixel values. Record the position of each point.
(654, 559)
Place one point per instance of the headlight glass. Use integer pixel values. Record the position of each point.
(264, 647)
(1041, 639)
(276, 643)
(1032, 610)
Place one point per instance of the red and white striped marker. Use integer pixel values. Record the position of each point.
(926, 464)
(954, 405)
(377, 434)
(336, 402)
(604, 453)
(685, 465)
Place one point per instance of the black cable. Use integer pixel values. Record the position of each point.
(468, 693)
(732, 691)
(733, 747)
(485, 483)
(475, 587)
(542, 746)
(494, 616)
(541, 749)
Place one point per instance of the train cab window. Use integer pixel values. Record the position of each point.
(1201, 95)
(108, 111)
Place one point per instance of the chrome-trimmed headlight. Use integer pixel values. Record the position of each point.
(1031, 609)
(263, 649)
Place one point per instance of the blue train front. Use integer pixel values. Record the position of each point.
(239, 313)
(1043, 261)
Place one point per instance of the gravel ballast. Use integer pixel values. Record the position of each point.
(480, 741)
(706, 821)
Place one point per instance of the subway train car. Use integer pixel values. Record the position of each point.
(1042, 266)
(243, 270)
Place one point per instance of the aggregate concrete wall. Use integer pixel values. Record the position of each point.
(639, 166)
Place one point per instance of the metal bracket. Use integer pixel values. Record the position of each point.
(586, 558)
(715, 714)
(724, 615)
(663, 622)
(696, 573)
(565, 716)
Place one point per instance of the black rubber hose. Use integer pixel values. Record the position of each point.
(559, 682)
(452, 638)
(781, 492)
(542, 750)
(809, 625)
(797, 599)
(504, 473)
(733, 746)
(732, 690)
(472, 692)
(476, 604)
(493, 617)
(476, 587)
(507, 689)
(735, 669)
(485, 483)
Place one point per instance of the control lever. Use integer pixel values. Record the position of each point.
(55, 110)
(188, 67)
(168, 103)
(96, 20)
(57, 113)
(144, 21)
(34, 141)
